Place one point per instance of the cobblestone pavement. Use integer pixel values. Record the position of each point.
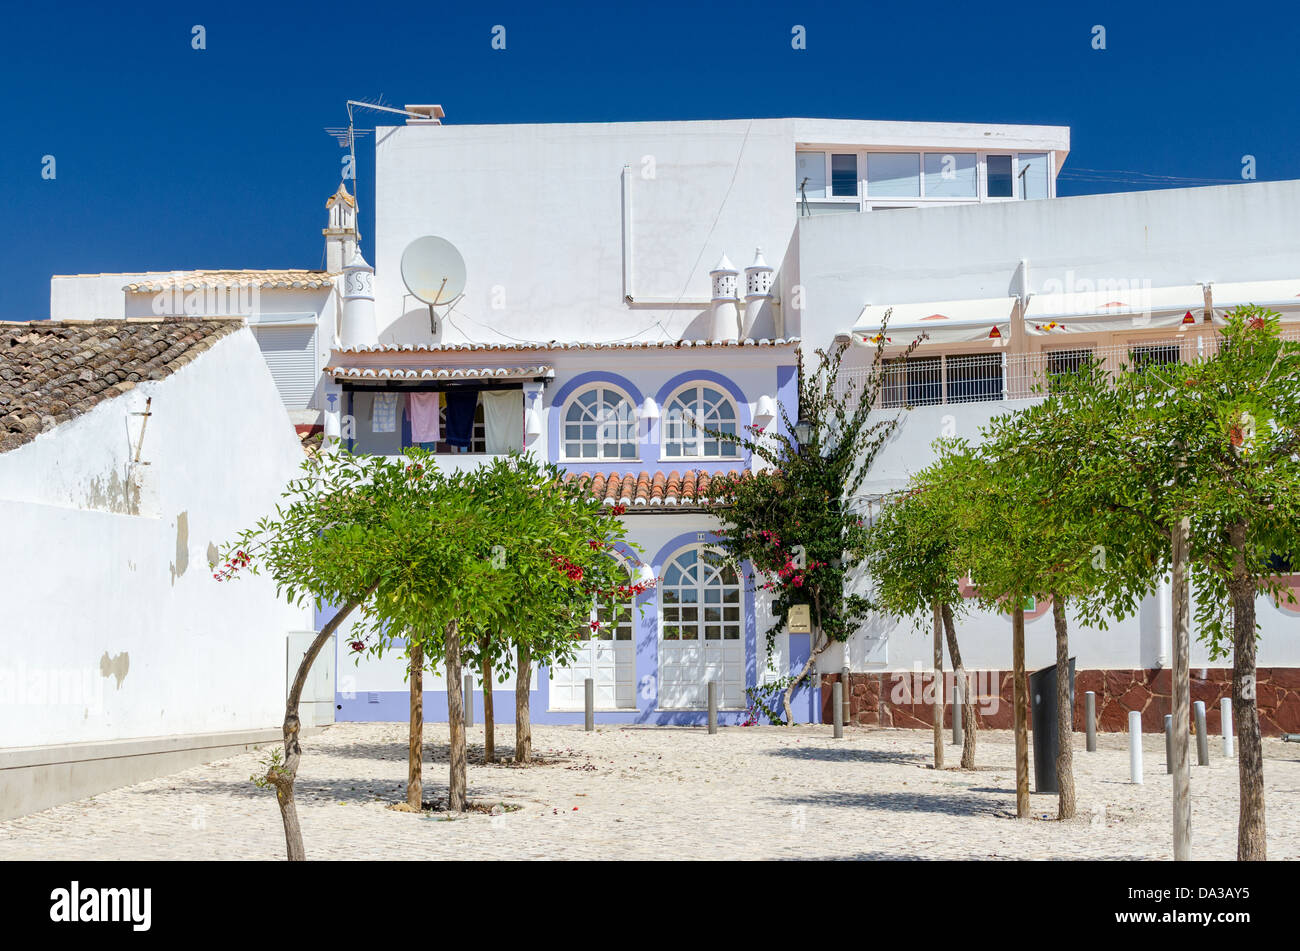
(667, 793)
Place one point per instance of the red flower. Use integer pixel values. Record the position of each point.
(358, 646)
(620, 509)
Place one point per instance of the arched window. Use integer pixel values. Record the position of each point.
(701, 597)
(600, 423)
(693, 409)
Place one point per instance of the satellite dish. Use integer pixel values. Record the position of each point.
(433, 270)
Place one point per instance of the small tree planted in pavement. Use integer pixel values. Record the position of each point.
(794, 521)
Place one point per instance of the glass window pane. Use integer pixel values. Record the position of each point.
(844, 176)
(1033, 171)
(951, 175)
(999, 174)
(812, 167)
(894, 174)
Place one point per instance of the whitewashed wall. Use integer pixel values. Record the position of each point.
(537, 212)
(120, 612)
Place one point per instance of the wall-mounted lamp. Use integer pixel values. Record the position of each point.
(765, 411)
(803, 432)
(649, 409)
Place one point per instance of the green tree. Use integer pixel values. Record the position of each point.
(795, 521)
(553, 545)
(912, 559)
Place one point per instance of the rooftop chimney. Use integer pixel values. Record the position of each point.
(341, 236)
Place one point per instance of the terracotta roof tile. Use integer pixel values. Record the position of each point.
(411, 375)
(202, 280)
(53, 371)
(659, 491)
(559, 345)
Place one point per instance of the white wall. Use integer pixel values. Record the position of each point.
(1178, 236)
(537, 213)
(91, 592)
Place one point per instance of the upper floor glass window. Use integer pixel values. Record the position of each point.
(1033, 175)
(951, 175)
(692, 410)
(844, 176)
(894, 174)
(600, 423)
(1000, 179)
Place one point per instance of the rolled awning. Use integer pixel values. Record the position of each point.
(1136, 308)
(1282, 296)
(949, 321)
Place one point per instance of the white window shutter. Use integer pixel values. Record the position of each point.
(290, 354)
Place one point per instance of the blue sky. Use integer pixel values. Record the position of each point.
(167, 157)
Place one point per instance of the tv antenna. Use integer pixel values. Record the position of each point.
(347, 136)
(434, 271)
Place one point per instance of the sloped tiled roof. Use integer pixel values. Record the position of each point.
(411, 375)
(205, 280)
(559, 345)
(52, 371)
(660, 490)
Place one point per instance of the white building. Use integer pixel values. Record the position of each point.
(130, 450)
(600, 301)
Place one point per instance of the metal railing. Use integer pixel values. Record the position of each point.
(945, 379)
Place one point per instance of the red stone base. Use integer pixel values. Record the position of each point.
(905, 699)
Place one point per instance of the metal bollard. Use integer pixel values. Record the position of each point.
(468, 698)
(958, 698)
(1169, 742)
(1090, 714)
(1135, 746)
(837, 701)
(589, 705)
(848, 700)
(713, 706)
(1225, 716)
(1202, 738)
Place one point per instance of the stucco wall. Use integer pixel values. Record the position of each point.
(119, 612)
(1224, 233)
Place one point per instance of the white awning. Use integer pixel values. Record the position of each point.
(948, 321)
(1275, 295)
(1136, 308)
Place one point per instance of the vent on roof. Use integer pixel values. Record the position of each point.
(434, 114)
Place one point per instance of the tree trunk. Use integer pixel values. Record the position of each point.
(1182, 696)
(1245, 711)
(455, 721)
(523, 727)
(415, 745)
(794, 684)
(489, 725)
(1020, 707)
(936, 707)
(282, 777)
(968, 705)
(1064, 715)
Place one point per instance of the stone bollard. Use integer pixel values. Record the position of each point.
(1135, 746)
(847, 713)
(837, 701)
(1090, 714)
(1169, 742)
(589, 705)
(468, 696)
(1202, 738)
(713, 706)
(1225, 715)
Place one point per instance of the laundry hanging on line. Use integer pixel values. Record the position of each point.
(461, 405)
(423, 411)
(503, 421)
